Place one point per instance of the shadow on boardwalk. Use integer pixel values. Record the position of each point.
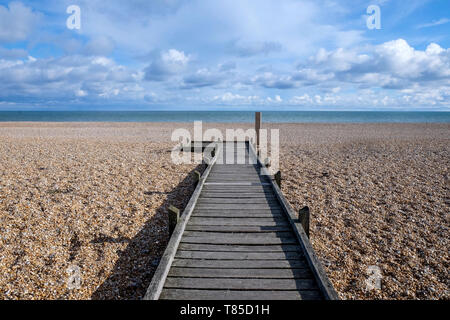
(135, 267)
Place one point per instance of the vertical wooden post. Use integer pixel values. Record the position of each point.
(303, 217)
(257, 128)
(174, 216)
(278, 178)
(197, 176)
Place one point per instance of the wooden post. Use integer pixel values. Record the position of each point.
(174, 216)
(257, 128)
(303, 217)
(197, 176)
(278, 178)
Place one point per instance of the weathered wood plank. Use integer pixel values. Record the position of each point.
(241, 273)
(249, 229)
(250, 213)
(241, 284)
(242, 206)
(240, 264)
(243, 235)
(234, 174)
(238, 248)
(236, 181)
(232, 190)
(238, 214)
(247, 202)
(241, 240)
(237, 255)
(262, 222)
(186, 294)
(246, 195)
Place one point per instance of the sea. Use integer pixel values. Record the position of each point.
(228, 116)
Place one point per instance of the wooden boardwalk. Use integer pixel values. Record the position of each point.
(238, 238)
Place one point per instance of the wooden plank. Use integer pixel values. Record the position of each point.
(237, 214)
(234, 174)
(262, 222)
(243, 235)
(240, 195)
(181, 254)
(250, 229)
(237, 184)
(218, 213)
(248, 212)
(238, 248)
(236, 181)
(242, 240)
(241, 273)
(240, 284)
(248, 201)
(236, 166)
(242, 206)
(230, 168)
(240, 264)
(237, 189)
(186, 294)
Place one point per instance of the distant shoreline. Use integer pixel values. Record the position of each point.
(227, 116)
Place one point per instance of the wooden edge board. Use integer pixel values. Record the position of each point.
(155, 288)
(322, 279)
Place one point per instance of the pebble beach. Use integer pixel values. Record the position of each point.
(83, 206)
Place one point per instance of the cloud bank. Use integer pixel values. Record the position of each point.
(274, 54)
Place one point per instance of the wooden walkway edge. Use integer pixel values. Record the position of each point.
(238, 238)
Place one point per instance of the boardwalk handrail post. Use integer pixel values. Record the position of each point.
(197, 176)
(303, 218)
(277, 177)
(174, 216)
(257, 129)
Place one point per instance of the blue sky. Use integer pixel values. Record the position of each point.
(225, 55)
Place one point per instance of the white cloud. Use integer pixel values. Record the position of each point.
(65, 78)
(17, 22)
(388, 64)
(165, 64)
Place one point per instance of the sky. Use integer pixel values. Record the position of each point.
(225, 55)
